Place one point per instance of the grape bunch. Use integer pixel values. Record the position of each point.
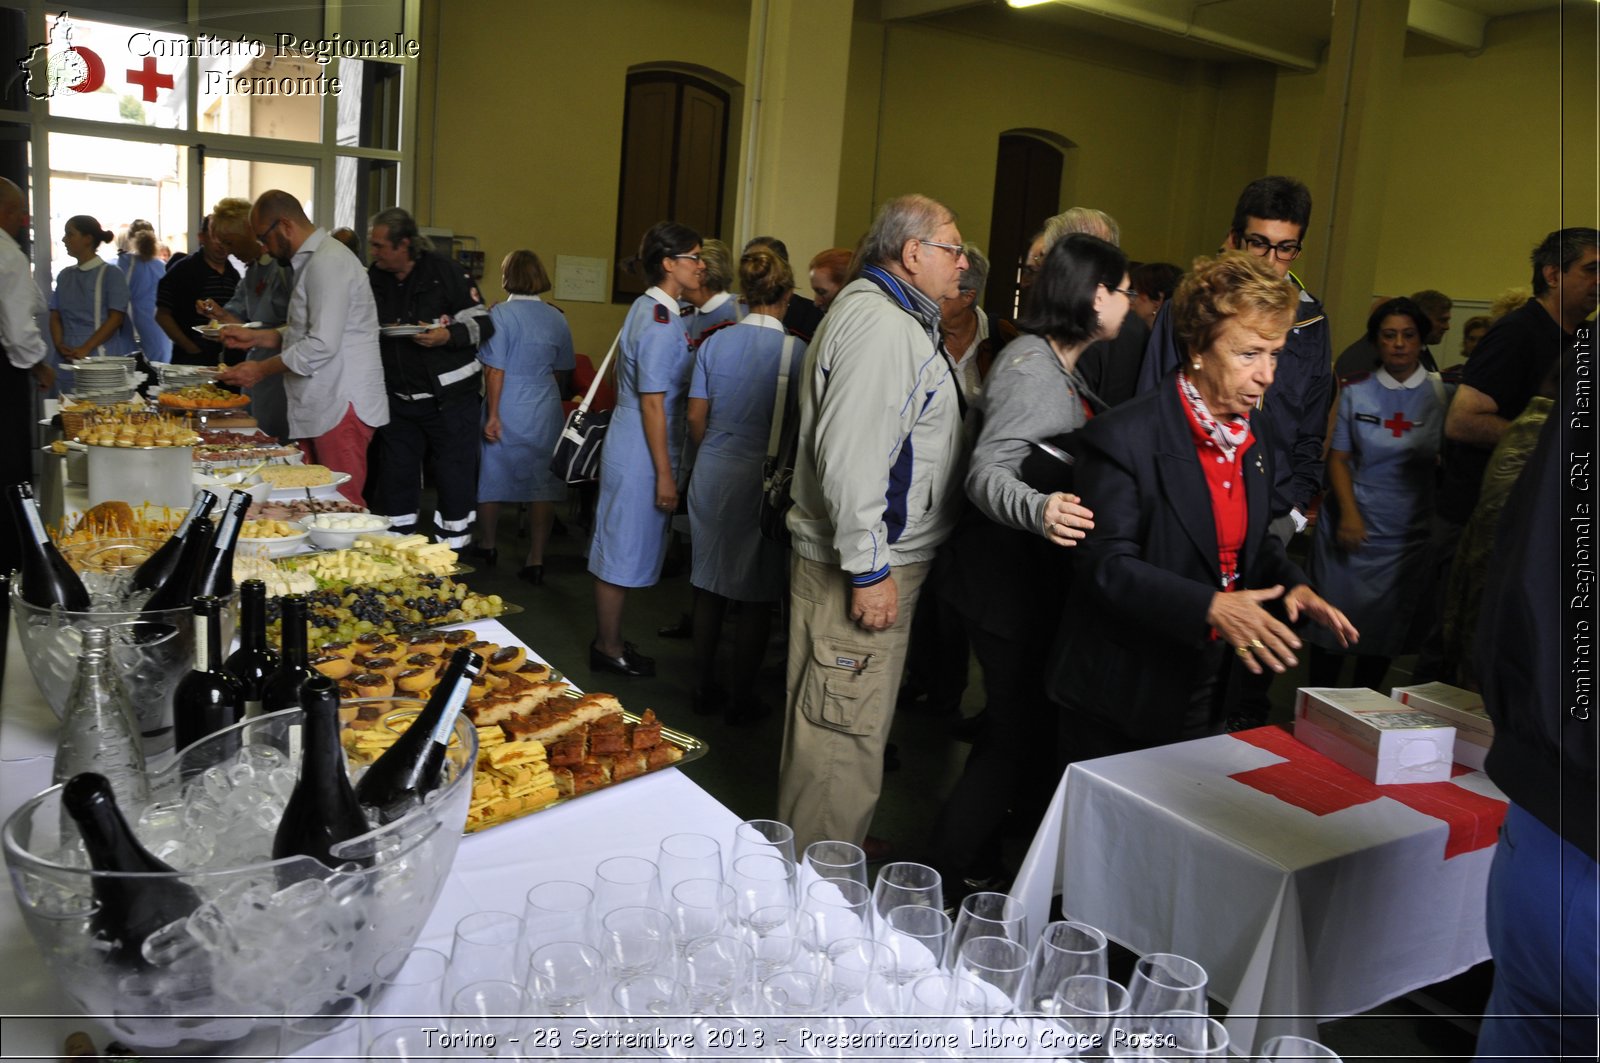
(401, 606)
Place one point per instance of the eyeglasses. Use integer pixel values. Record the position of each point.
(1129, 292)
(1260, 246)
(261, 237)
(691, 258)
(954, 249)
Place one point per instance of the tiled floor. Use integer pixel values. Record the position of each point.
(741, 770)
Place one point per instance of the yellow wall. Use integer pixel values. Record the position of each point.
(526, 123)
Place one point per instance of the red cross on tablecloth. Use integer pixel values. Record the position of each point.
(150, 79)
(1309, 780)
(1398, 424)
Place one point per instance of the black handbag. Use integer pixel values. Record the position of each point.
(777, 472)
(577, 456)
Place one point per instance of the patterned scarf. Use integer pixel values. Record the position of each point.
(1227, 435)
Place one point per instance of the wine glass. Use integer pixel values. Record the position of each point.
(1163, 981)
(862, 974)
(409, 984)
(761, 880)
(1063, 950)
(404, 1043)
(919, 937)
(564, 975)
(713, 969)
(795, 994)
(906, 883)
(996, 915)
(988, 975)
(686, 856)
(650, 1004)
(781, 937)
(549, 913)
(334, 1023)
(1285, 1049)
(701, 906)
(485, 949)
(833, 859)
(636, 941)
(1189, 1035)
(491, 1011)
(767, 837)
(1087, 1006)
(842, 908)
(625, 882)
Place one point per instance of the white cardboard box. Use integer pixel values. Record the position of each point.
(1464, 708)
(1374, 736)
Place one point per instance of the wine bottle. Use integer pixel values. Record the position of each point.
(253, 663)
(159, 566)
(322, 811)
(282, 689)
(174, 593)
(47, 579)
(208, 698)
(409, 769)
(98, 730)
(131, 904)
(215, 575)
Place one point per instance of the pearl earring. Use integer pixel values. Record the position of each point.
(1196, 366)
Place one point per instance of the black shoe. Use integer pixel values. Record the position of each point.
(708, 701)
(488, 557)
(534, 574)
(632, 662)
(683, 629)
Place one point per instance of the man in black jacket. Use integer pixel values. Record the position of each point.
(431, 377)
(1536, 647)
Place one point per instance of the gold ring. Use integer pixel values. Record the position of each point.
(1256, 644)
(1242, 651)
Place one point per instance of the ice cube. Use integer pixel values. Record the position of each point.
(216, 783)
(302, 896)
(241, 774)
(208, 925)
(169, 944)
(282, 781)
(262, 757)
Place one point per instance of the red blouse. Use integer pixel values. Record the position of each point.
(1229, 507)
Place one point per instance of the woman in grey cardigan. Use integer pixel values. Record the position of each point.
(1006, 568)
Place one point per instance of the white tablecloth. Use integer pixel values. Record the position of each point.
(493, 870)
(1295, 916)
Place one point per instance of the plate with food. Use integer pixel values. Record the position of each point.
(302, 481)
(202, 397)
(396, 331)
(213, 331)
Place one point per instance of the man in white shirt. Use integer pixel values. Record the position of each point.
(24, 361)
(332, 335)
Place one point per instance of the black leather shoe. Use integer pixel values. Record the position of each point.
(488, 557)
(534, 574)
(632, 662)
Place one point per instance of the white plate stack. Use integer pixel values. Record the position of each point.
(102, 380)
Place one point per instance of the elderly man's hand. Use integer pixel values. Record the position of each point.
(1256, 635)
(877, 607)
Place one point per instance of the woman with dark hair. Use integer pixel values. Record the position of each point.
(1170, 596)
(1370, 556)
(1006, 568)
(90, 301)
(639, 462)
(732, 397)
(527, 368)
(144, 269)
(1153, 285)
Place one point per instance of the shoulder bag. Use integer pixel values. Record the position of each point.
(577, 456)
(777, 473)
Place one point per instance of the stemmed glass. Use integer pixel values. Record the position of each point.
(988, 976)
(492, 1010)
(833, 859)
(1162, 982)
(1286, 1049)
(404, 1043)
(1063, 950)
(842, 908)
(761, 880)
(564, 975)
(409, 984)
(996, 915)
(906, 883)
(334, 1024)
(485, 949)
(1189, 1035)
(863, 975)
(781, 938)
(919, 937)
(701, 906)
(549, 913)
(625, 882)
(766, 837)
(636, 941)
(714, 967)
(1087, 1006)
(649, 1003)
(686, 856)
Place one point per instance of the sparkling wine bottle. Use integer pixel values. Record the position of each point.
(131, 904)
(253, 663)
(47, 579)
(208, 698)
(174, 593)
(408, 770)
(322, 811)
(159, 566)
(282, 689)
(98, 730)
(215, 575)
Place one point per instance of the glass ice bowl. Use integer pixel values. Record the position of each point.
(268, 933)
(152, 651)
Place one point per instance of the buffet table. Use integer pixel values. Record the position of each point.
(493, 869)
(1305, 892)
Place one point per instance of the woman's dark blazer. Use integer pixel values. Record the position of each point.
(1135, 628)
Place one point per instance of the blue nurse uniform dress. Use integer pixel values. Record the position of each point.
(143, 276)
(74, 298)
(530, 344)
(630, 533)
(736, 369)
(720, 309)
(1393, 432)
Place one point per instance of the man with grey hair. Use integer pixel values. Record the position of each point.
(432, 378)
(877, 488)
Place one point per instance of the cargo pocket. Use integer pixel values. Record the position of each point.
(844, 687)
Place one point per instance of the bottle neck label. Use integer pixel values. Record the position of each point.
(35, 525)
(447, 719)
(202, 642)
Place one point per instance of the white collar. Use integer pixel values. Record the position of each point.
(663, 298)
(512, 297)
(763, 321)
(265, 258)
(714, 302)
(94, 263)
(1415, 380)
